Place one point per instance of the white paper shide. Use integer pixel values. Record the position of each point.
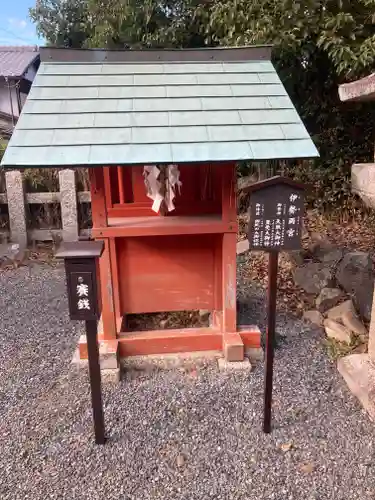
(162, 184)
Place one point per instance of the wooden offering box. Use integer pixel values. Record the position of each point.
(182, 261)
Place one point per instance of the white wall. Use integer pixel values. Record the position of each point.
(5, 105)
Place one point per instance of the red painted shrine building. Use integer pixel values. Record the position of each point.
(161, 133)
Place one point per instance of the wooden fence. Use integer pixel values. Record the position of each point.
(19, 202)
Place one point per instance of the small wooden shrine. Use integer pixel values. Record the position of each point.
(161, 133)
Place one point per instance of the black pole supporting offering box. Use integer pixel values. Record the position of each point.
(81, 267)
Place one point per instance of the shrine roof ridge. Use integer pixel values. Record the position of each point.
(206, 54)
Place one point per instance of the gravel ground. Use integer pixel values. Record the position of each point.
(188, 433)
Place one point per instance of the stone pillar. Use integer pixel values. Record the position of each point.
(16, 207)
(68, 200)
(371, 340)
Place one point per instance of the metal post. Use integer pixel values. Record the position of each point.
(95, 380)
(273, 259)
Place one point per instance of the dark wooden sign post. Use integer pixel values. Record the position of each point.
(81, 267)
(275, 224)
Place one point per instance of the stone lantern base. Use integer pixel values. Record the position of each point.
(359, 374)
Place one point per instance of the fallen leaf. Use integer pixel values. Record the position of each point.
(286, 446)
(180, 460)
(307, 468)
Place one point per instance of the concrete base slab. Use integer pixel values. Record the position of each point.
(169, 361)
(77, 361)
(225, 365)
(254, 353)
(108, 355)
(108, 375)
(359, 374)
(111, 376)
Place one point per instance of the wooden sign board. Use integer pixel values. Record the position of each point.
(82, 293)
(81, 260)
(275, 224)
(276, 215)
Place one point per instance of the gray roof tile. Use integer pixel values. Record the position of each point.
(106, 113)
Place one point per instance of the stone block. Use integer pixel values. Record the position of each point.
(108, 355)
(254, 353)
(108, 363)
(337, 331)
(315, 317)
(362, 89)
(333, 257)
(110, 376)
(77, 361)
(363, 182)
(328, 298)
(233, 347)
(312, 277)
(359, 374)
(68, 200)
(353, 323)
(225, 365)
(325, 252)
(371, 339)
(296, 257)
(355, 274)
(337, 312)
(16, 207)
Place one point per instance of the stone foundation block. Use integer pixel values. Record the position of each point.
(359, 374)
(233, 347)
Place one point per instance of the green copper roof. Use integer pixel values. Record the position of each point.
(96, 112)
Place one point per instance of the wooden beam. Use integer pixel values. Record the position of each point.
(229, 196)
(120, 178)
(169, 341)
(164, 226)
(174, 341)
(107, 293)
(229, 283)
